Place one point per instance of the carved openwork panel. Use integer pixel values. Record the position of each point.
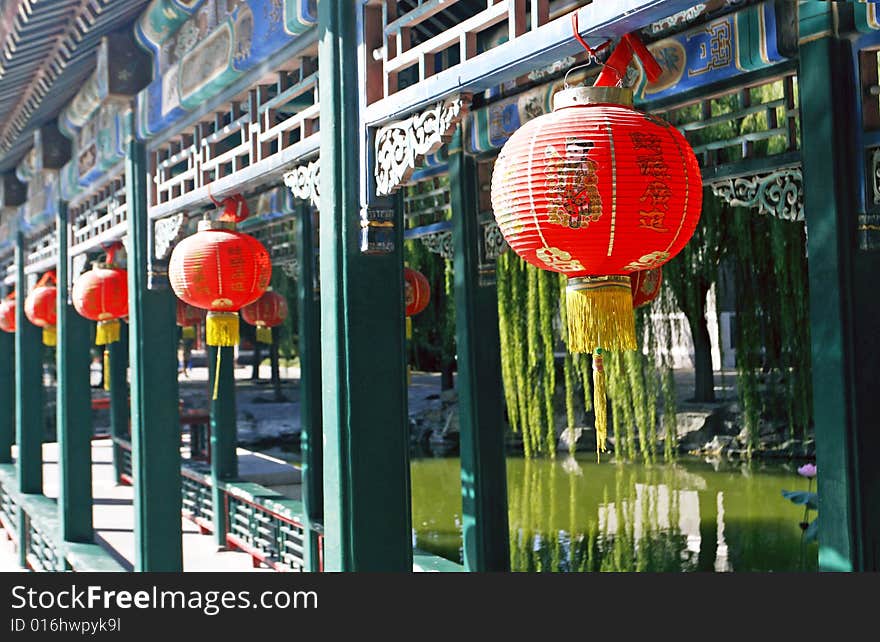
(779, 193)
(401, 146)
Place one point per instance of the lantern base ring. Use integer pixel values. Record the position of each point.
(599, 311)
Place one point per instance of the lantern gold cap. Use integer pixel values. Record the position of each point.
(208, 224)
(579, 96)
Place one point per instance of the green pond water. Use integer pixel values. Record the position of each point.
(573, 515)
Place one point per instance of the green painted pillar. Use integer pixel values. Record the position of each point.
(843, 311)
(367, 518)
(224, 437)
(486, 532)
(119, 428)
(29, 424)
(155, 417)
(74, 405)
(7, 396)
(311, 445)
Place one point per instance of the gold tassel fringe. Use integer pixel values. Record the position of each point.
(408, 328)
(108, 332)
(106, 370)
(216, 368)
(50, 336)
(264, 334)
(222, 329)
(600, 406)
(600, 312)
(188, 333)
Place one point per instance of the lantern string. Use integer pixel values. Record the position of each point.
(48, 276)
(590, 50)
(111, 251)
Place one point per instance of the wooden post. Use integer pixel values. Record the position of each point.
(29, 423)
(366, 442)
(119, 396)
(224, 459)
(7, 396)
(155, 418)
(481, 419)
(311, 445)
(844, 308)
(74, 405)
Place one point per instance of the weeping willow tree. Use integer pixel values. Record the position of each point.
(540, 374)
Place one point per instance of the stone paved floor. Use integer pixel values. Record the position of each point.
(114, 519)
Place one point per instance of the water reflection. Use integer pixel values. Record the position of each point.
(574, 515)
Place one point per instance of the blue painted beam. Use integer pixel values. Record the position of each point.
(598, 22)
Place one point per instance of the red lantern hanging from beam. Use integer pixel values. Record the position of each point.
(7, 313)
(645, 285)
(41, 307)
(597, 190)
(188, 317)
(417, 291)
(267, 312)
(101, 294)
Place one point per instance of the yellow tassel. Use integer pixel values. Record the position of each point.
(216, 369)
(600, 407)
(222, 329)
(106, 370)
(600, 312)
(264, 334)
(108, 332)
(189, 333)
(408, 328)
(50, 336)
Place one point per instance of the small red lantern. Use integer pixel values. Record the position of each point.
(220, 270)
(7, 313)
(645, 286)
(417, 291)
(188, 317)
(41, 307)
(101, 294)
(267, 312)
(597, 190)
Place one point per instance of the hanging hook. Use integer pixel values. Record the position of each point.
(592, 53)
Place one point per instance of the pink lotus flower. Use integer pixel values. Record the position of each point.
(807, 470)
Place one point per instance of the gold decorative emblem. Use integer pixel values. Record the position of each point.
(649, 261)
(559, 260)
(572, 185)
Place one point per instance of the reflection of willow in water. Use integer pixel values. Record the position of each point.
(645, 522)
(577, 515)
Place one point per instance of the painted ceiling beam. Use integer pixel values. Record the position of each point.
(597, 22)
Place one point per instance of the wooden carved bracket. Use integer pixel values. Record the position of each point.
(401, 146)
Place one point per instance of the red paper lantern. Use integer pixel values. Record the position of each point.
(645, 286)
(41, 309)
(417, 291)
(7, 313)
(101, 294)
(220, 270)
(267, 312)
(597, 190)
(188, 315)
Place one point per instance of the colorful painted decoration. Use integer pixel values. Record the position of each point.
(7, 313)
(597, 190)
(101, 294)
(417, 291)
(645, 285)
(267, 312)
(220, 270)
(41, 307)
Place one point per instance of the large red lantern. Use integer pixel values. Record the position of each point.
(267, 312)
(645, 285)
(220, 270)
(597, 190)
(41, 307)
(417, 291)
(7, 313)
(101, 294)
